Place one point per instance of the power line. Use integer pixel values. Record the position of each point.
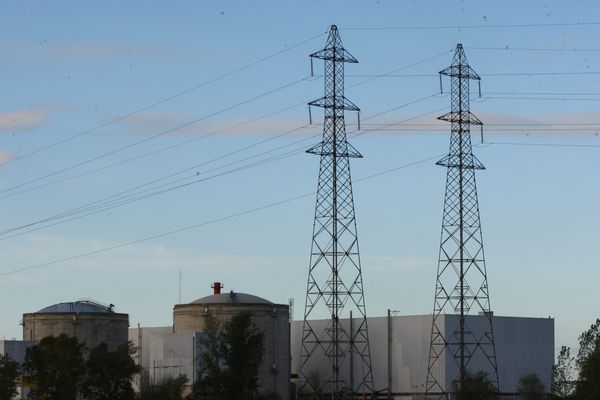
(201, 224)
(440, 129)
(544, 144)
(260, 208)
(493, 124)
(160, 150)
(162, 101)
(114, 200)
(135, 158)
(507, 48)
(488, 74)
(399, 69)
(144, 195)
(544, 93)
(540, 98)
(160, 134)
(486, 26)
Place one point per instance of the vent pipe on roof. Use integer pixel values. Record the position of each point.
(217, 286)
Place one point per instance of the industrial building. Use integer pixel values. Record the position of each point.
(90, 322)
(400, 352)
(399, 347)
(171, 351)
(16, 349)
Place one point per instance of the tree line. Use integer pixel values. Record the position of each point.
(57, 368)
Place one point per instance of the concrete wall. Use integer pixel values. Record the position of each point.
(171, 355)
(89, 328)
(15, 349)
(273, 321)
(141, 337)
(523, 345)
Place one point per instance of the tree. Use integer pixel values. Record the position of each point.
(243, 355)
(169, 389)
(108, 373)
(211, 383)
(477, 387)
(9, 372)
(588, 362)
(531, 387)
(231, 361)
(563, 372)
(54, 368)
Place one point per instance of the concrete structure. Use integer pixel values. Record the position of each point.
(400, 351)
(16, 349)
(272, 319)
(170, 351)
(153, 355)
(91, 323)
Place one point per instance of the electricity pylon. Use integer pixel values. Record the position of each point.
(335, 282)
(461, 284)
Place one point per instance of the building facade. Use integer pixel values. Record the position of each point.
(400, 352)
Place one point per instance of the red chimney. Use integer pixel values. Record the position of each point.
(217, 286)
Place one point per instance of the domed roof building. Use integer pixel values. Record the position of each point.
(271, 318)
(90, 322)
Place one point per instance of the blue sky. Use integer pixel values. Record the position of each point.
(69, 67)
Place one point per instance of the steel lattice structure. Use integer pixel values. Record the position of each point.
(334, 278)
(461, 285)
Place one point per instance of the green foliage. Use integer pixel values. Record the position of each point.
(588, 362)
(477, 387)
(243, 355)
(108, 373)
(531, 387)
(9, 372)
(211, 383)
(169, 389)
(232, 360)
(54, 368)
(563, 372)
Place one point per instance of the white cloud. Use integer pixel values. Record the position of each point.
(22, 120)
(155, 122)
(500, 123)
(6, 156)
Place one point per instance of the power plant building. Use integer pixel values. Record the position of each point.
(90, 322)
(400, 352)
(171, 351)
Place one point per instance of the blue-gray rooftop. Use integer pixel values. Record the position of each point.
(231, 298)
(81, 306)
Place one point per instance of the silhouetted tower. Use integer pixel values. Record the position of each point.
(461, 284)
(335, 283)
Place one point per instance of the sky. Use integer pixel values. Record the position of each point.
(208, 100)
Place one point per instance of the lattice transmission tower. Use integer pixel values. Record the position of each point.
(335, 284)
(461, 285)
